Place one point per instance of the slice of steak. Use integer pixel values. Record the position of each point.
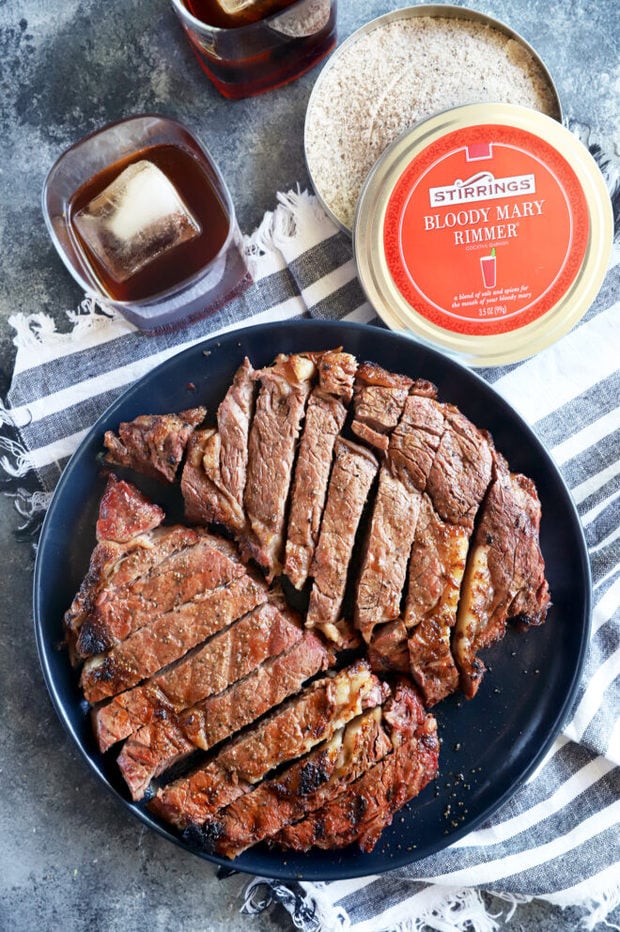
(325, 416)
(125, 523)
(290, 731)
(227, 656)
(387, 547)
(367, 806)
(404, 474)
(435, 574)
(153, 444)
(301, 788)
(124, 512)
(388, 651)
(203, 562)
(280, 409)
(352, 475)
(446, 457)
(461, 470)
(505, 573)
(214, 476)
(168, 637)
(157, 746)
(378, 402)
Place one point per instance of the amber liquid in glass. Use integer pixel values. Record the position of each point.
(197, 185)
(267, 53)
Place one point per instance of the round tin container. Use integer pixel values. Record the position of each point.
(349, 67)
(486, 231)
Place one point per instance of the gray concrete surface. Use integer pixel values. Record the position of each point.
(70, 858)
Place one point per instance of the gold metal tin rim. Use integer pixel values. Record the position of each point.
(447, 11)
(518, 344)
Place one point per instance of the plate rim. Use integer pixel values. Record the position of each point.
(279, 870)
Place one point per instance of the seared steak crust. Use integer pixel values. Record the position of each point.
(174, 566)
(291, 730)
(214, 476)
(301, 788)
(153, 444)
(169, 637)
(366, 807)
(505, 573)
(164, 741)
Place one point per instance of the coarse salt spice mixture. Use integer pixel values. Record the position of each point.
(397, 74)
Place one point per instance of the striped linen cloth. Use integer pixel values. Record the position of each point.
(558, 837)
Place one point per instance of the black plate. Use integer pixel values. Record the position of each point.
(490, 744)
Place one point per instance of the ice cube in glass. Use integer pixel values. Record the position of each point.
(135, 220)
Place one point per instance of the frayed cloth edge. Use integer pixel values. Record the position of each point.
(439, 909)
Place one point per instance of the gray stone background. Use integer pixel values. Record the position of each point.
(70, 857)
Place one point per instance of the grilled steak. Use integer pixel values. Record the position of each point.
(367, 806)
(153, 444)
(157, 746)
(353, 472)
(124, 523)
(280, 409)
(505, 573)
(288, 732)
(316, 779)
(191, 657)
(388, 651)
(409, 458)
(448, 459)
(325, 416)
(301, 788)
(174, 566)
(214, 476)
(379, 399)
(169, 637)
(224, 658)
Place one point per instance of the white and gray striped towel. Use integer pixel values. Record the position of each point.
(557, 838)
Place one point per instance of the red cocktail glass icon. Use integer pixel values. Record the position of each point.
(488, 267)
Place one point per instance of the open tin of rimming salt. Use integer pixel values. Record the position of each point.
(480, 224)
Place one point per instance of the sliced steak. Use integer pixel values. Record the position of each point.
(367, 806)
(461, 470)
(153, 444)
(157, 746)
(213, 480)
(505, 572)
(379, 399)
(352, 475)
(435, 574)
(288, 732)
(168, 637)
(448, 459)
(228, 656)
(379, 590)
(409, 458)
(191, 562)
(280, 409)
(325, 416)
(125, 523)
(301, 788)
(388, 651)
